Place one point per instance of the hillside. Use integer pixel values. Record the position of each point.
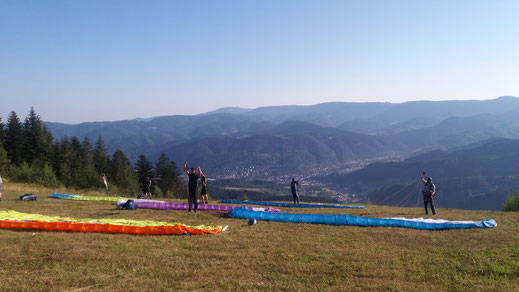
(289, 147)
(479, 177)
(142, 136)
(460, 131)
(267, 256)
(397, 128)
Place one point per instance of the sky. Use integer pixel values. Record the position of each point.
(81, 61)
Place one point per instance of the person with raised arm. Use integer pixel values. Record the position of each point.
(192, 186)
(428, 191)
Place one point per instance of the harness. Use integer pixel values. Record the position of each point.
(428, 190)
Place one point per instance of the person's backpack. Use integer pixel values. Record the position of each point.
(29, 197)
(427, 190)
(129, 205)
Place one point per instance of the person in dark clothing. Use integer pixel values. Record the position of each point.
(428, 191)
(192, 186)
(293, 188)
(203, 192)
(146, 187)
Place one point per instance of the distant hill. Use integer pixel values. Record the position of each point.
(135, 136)
(478, 177)
(383, 116)
(289, 147)
(227, 110)
(292, 138)
(459, 131)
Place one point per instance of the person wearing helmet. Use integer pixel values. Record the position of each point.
(428, 191)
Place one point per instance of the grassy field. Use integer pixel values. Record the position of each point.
(268, 256)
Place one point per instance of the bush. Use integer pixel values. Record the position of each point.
(44, 175)
(512, 202)
(39, 173)
(20, 173)
(156, 192)
(86, 178)
(4, 162)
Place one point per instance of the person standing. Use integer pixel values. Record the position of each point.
(293, 188)
(1, 182)
(146, 187)
(203, 192)
(192, 186)
(428, 191)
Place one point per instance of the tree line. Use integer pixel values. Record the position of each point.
(29, 153)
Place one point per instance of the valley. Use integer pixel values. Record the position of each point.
(324, 144)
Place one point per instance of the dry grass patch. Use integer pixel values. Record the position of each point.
(268, 256)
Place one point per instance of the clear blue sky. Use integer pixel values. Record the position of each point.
(77, 61)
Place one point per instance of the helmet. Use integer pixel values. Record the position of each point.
(429, 179)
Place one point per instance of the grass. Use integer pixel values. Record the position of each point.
(269, 256)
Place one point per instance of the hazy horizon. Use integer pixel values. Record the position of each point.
(265, 106)
(77, 61)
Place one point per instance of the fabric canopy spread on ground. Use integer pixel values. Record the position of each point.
(289, 205)
(161, 205)
(419, 223)
(86, 198)
(17, 220)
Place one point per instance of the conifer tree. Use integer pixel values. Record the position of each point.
(121, 172)
(143, 167)
(37, 144)
(15, 139)
(65, 158)
(74, 141)
(76, 147)
(85, 175)
(101, 159)
(168, 176)
(87, 151)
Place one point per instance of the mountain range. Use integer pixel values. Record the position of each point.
(328, 133)
(278, 141)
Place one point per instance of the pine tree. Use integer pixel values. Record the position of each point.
(85, 175)
(143, 167)
(74, 141)
(87, 151)
(101, 159)
(65, 159)
(121, 172)
(168, 176)
(15, 139)
(37, 142)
